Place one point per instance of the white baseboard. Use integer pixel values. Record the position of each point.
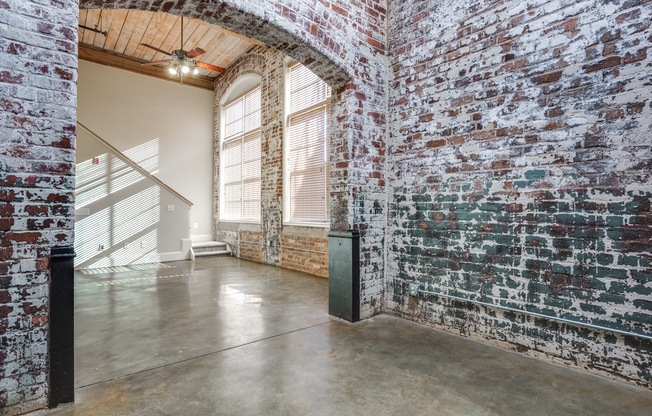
(173, 256)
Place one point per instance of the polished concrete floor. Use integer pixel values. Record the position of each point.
(230, 337)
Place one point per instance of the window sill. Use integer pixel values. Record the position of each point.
(307, 224)
(231, 225)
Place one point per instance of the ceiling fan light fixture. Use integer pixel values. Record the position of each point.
(182, 62)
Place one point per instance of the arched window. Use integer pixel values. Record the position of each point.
(240, 154)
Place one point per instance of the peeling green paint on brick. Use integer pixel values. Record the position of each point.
(543, 190)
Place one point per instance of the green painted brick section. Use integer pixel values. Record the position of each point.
(421, 198)
(564, 253)
(634, 261)
(643, 304)
(587, 307)
(579, 219)
(610, 339)
(639, 289)
(535, 174)
(562, 268)
(610, 273)
(604, 259)
(611, 298)
(557, 303)
(447, 198)
(614, 221)
(536, 241)
(639, 317)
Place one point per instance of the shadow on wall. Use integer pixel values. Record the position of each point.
(122, 215)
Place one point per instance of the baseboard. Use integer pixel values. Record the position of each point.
(173, 256)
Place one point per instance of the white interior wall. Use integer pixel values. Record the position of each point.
(122, 216)
(132, 112)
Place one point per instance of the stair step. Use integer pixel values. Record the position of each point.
(200, 244)
(212, 253)
(208, 246)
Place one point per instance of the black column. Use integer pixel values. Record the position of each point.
(62, 329)
(344, 274)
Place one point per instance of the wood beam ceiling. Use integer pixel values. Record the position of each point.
(117, 60)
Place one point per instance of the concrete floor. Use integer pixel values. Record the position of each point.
(230, 337)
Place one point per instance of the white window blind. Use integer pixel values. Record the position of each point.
(307, 148)
(240, 159)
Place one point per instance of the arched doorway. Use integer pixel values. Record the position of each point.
(345, 47)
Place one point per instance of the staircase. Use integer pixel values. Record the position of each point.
(209, 249)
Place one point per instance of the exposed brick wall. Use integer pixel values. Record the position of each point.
(521, 161)
(271, 243)
(250, 245)
(519, 155)
(307, 254)
(38, 72)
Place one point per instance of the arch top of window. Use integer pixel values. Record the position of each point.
(240, 87)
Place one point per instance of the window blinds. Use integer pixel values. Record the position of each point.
(307, 147)
(241, 159)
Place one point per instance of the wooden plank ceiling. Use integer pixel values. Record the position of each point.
(125, 31)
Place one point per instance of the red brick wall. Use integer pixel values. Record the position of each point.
(307, 254)
(38, 71)
(249, 245)
(520, 157)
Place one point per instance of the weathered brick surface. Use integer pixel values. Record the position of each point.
(520, 173)
(38, 67)
(518, 166)
(250, 245)
(271, 244)
(307, 254)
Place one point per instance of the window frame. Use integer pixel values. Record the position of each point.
(232, 97)
(287, 115)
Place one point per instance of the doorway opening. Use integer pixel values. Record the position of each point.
(136, 222)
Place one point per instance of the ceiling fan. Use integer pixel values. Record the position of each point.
(182, 62)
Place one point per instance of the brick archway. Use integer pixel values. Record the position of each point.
(293, 32)
(344, 44)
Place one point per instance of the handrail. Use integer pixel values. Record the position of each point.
(134, 164)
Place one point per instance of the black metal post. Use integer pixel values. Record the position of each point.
(61, 346)
(344, 274)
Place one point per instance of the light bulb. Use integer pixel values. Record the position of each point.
(172, 70)
(185, 69)
(195, 71)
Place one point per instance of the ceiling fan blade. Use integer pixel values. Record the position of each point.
(156, 62)
(210, 67)
(195, 53)
(156, 49)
